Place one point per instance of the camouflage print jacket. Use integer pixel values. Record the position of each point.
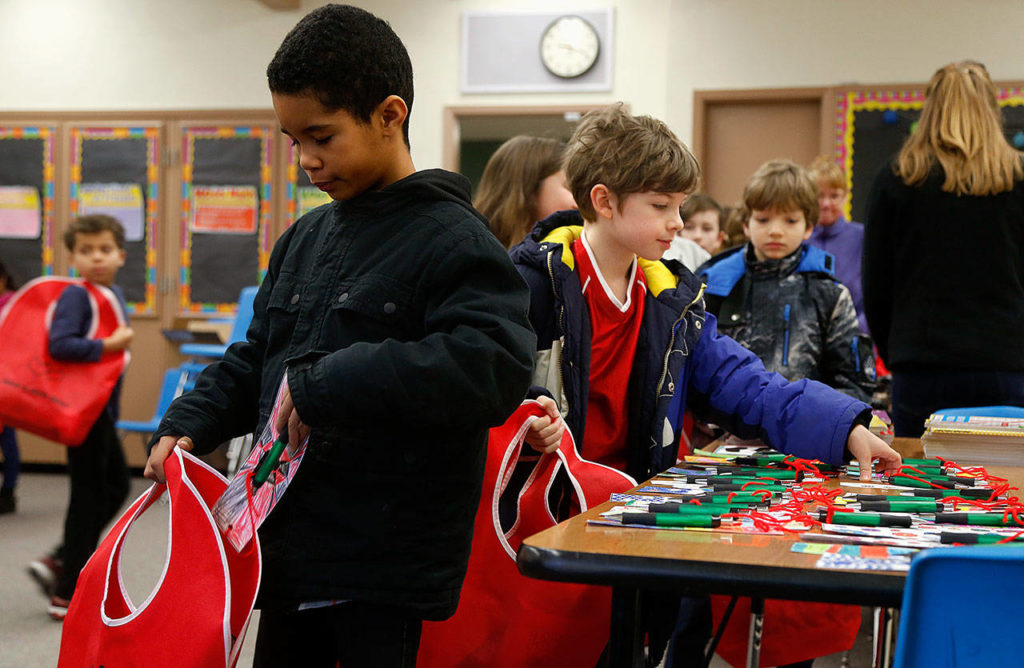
(794, 315)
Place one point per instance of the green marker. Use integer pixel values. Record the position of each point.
(865, 519)
(903, 506)
(950, 537)
(748, 486)
(670, 520)
(269, 463)
(905, 481)
(694, 509)
(723, 497)
(930, 461)
(984, 519)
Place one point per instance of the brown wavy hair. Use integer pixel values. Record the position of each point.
(961, 129)
(780, 185)
(628, 154)
(508, 189)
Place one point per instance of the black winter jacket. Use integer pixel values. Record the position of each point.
(403, 326)
(794, 315)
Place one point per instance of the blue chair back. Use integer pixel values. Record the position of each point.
(961, 608)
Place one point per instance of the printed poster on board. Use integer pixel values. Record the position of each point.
(309, 199)
(123, 201)
(21, 216)
(224, 209)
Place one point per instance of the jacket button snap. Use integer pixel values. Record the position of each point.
(735, 317)
(697, 324)
(342, 297)
(390, 308)
(295, 299)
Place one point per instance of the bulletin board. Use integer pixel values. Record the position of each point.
(226, 215)
(116, 171)
(302, 196)
(26, 200)
(871, 126)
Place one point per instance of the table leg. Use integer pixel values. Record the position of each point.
(885, 625)
(625, 644)
(756, 628)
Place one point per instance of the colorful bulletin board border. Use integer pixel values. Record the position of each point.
(48, 135)
(848, 103)
(265, 135)
(300, 198)
(152, 137)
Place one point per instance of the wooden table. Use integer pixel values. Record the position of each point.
(698, 563)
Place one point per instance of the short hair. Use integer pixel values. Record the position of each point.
(733, 220)
(628, 154)
(346, 58)
(782, 185)
(825, 171)
(508, 189)
(93, 223)
(961, 132)
(697, 203)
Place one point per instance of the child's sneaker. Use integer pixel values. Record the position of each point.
(58, 608)
(45, 571)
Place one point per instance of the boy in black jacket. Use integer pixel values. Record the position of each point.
(402, 327)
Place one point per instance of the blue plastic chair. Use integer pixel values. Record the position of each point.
(238, 330)
(961, 607)
(175, 383)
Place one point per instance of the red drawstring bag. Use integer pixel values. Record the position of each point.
(199, 611)
(793, 630)
(505, 619)
(57, 400)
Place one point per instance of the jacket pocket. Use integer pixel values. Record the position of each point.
(283, 309)
(375, 307)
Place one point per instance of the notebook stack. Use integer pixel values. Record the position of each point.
(975, 439)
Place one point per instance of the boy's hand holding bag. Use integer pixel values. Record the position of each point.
(199, 611)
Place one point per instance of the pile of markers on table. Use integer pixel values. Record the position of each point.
(929, 503)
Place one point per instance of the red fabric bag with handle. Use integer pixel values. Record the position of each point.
(54, 399)
(199, 611)
(505, 619)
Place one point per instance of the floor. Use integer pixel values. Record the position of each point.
(30, 638)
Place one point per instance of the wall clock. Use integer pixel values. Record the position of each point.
(569, 47)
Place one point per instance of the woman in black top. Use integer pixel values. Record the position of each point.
(943, 268)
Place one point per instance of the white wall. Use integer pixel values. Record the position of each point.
(182, 54)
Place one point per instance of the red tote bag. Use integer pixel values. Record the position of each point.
(57, 400)
(199, 611)
(504, 619)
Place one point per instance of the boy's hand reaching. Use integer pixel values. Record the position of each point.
(866, 447)
(161, 451)
(119, 339)
(545, 433)
(289, 422)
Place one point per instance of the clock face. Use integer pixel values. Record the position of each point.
(569, 47)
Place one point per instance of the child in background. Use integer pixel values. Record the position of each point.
(97, 469)
(401, 327)
(624, 345)
(8, 439)
(522, 183)
(836, 235)
(777, 295)
(702, 222)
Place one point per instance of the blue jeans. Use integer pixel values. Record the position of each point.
(917, 394)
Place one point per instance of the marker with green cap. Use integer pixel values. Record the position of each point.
(924, 483)
(724, 497)
(984, 519)
(866, 519)
(694, 509)
(755, 486)
(950, 537)
(903, 506)
(270, 461)
(672, 520)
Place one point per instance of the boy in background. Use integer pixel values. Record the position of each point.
(778, 296)
(836, 235)
(97, 470)
(402, 327)
(702, 222)
(624, 345)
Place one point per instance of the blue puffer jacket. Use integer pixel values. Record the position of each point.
(682, 361)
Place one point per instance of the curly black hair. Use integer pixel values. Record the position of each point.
(347, 58)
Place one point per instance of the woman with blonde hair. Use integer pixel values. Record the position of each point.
(943, 270)
(522, 183)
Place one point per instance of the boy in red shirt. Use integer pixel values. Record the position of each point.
(625, 346)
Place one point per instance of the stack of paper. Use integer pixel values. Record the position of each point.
(975, 439)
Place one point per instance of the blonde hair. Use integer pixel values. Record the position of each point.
(781, 185)
(628, 154)
(961, 129)
(825, 171)
(507, 194)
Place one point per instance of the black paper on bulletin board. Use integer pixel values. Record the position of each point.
(876, 143)
(121, 161)
(21, 164)
(223, 264)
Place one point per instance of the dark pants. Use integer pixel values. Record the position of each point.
(99, 484)
(347, 634)
(918, 394)
(12, 459)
